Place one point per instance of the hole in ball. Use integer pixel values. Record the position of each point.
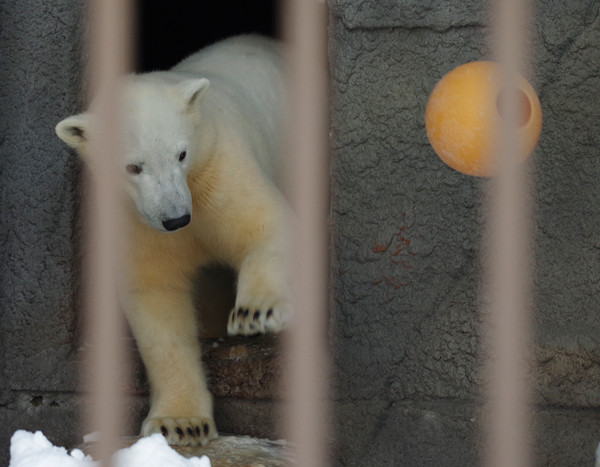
(524, 113)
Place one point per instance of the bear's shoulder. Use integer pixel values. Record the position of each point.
(231, 56)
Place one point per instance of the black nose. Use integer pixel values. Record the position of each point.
(174, 224)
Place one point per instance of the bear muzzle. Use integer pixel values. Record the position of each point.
(177, 223)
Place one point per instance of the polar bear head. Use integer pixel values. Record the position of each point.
(159, 138)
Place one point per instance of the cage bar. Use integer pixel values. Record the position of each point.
(507, 333)
(110, 56)
(306, 178)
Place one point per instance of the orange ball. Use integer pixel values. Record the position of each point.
(463, 115)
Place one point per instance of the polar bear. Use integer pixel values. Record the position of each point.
(202, 149)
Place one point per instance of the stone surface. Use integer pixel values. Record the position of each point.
(244, 367)
(243, 451)
(565, 436)
(568, 208)
(406, 227)
(258, 417)
(245, 379)
(40, 74)
(409, 14)
(395, 433)
(406, 234)
(568, 376)
(229, 451)
(448, 433)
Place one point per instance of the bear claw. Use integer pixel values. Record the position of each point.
(248, 321)
(182, 431)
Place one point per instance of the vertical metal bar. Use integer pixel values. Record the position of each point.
(109, 47)
(307, 181)
(508, 334)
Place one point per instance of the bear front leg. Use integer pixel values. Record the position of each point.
(164, 325)
(263, 299)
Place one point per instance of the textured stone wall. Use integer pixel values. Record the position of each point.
(40, 55)
(407, 230)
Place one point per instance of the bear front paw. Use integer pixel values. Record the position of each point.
(182, 431)
(249, 321)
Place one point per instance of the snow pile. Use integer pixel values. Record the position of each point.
(154, 451)
(34, 450)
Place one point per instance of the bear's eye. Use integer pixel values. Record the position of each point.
(182, 155)
(133, 169)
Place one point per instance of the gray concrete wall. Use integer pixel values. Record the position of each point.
(407, 230)
(40, 56)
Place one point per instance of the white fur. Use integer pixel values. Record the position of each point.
(224, 107)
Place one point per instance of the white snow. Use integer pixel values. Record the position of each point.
(34, 450)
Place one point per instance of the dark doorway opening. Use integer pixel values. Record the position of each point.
(169, 31)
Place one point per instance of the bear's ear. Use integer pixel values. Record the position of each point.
(193, 89)
(74, 130)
